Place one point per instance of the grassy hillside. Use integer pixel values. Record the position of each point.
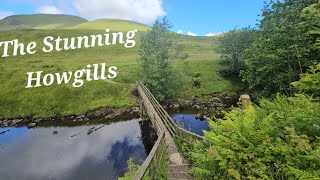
(39, 21)
(16, 101)
(112, 24)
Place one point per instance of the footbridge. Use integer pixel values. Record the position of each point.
(167, 131)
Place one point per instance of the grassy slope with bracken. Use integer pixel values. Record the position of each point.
(17, 101)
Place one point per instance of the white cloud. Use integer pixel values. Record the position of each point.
(191, 34)
(4, 14)
(142, 11)
(213, 34)
(49, 10)
(180, 32)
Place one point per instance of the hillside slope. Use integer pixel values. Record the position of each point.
(112, 24)
(17, 101)
(40, 21)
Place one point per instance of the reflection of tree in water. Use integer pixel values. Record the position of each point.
(148, 135)
(121, 152)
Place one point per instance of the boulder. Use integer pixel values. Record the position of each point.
(31, 125)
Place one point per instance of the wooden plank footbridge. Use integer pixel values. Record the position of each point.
(166, 130)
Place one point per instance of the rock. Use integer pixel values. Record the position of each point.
(114, 114)
(90, 131)
(31, 125)
(55, 132)
(197, 107)
(101, 112)
(176, 106)
(13, 123)
(75, 135)
(201, 116)
(135, 110)
(36, 120)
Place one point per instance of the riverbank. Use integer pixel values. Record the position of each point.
(91, 117)
(205, 106)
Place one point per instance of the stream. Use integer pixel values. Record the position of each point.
(97, 151)
(63, 151)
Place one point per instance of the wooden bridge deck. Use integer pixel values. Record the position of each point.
(166, 128)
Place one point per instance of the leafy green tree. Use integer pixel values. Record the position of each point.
(312, 16)
(232, 46)
(310, 81)
(282, 49)
(157, 50)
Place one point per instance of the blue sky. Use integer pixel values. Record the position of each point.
(191, 17)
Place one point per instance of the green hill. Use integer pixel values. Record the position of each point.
(40, 21)
(17, 101)
(112, 24)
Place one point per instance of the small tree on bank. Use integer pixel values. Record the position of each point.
(156, 54)
(232, 46)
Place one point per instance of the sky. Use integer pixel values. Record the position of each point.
(191, 17)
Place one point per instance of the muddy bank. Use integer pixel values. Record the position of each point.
(100, 115)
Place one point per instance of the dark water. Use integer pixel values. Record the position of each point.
(189, 122)
(38, 154)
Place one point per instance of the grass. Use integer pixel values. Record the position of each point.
(162, 172)
(40, 21)
(16, 101)
(112, 24)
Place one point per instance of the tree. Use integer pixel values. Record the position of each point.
(312, 16)
(310, 81)
(232, 46)
(282, 49)
(156, 52)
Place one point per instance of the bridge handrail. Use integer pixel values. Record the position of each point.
(158, 108)
(152, 161)
(151, 111)
(166, 116)
(163, 123)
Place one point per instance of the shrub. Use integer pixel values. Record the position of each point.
(310, 82)
(265, 142)
(196, 82)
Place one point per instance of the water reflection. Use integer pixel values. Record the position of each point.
(72, 153)
(189, 122)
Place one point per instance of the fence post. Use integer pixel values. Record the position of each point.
(245, 100)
